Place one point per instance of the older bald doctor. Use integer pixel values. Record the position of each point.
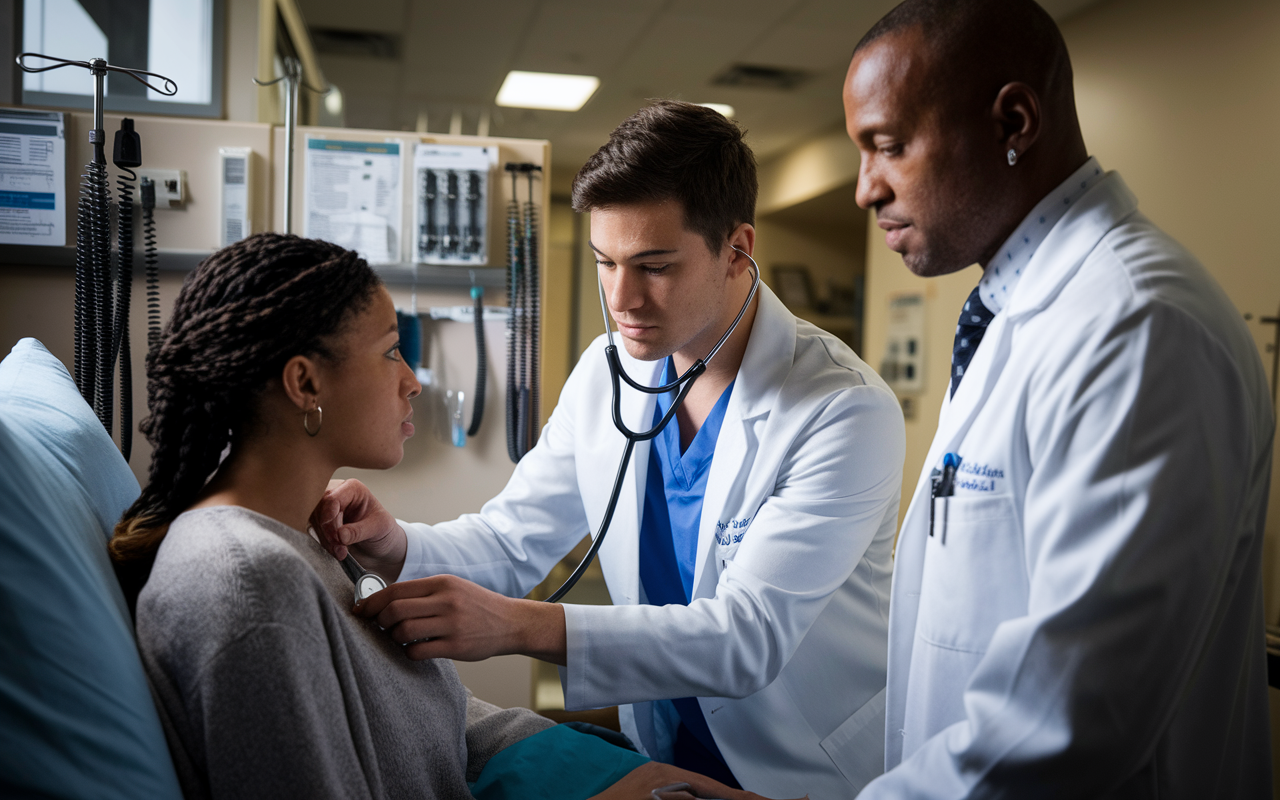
(1077, 596)
(749, 558)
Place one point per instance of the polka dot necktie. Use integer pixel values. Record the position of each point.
(974, 320)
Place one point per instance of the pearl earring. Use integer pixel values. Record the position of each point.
(1013, 156)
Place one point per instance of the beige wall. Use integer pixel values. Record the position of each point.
(814, 167)
(1183, 99)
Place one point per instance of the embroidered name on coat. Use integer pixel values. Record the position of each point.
(731, 532)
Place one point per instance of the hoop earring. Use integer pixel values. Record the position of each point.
(1013, 156)
(306, 415)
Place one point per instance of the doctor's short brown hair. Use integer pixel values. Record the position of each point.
(670, 150)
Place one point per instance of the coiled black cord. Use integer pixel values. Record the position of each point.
(100, 259)
(84, 321)
(477, 407)
(124, 292)
(513, 322)
(522, 345)
(532, 409)
(522, 327)
(151, 260)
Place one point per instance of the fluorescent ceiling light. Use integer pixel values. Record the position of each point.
(724, 109)
(546, 90)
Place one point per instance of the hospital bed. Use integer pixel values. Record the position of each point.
(76, 714)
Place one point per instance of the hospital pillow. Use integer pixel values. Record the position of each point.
(76, 716)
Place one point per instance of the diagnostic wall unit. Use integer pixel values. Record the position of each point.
(451, 203)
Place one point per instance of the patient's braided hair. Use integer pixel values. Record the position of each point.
(241, 315)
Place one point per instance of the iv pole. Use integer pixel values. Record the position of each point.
(292, 78)
(100, 338)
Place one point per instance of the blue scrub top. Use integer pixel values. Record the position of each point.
(669, 528)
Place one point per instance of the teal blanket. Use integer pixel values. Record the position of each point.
(556, 764)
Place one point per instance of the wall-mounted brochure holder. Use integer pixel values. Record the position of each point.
(451, 203)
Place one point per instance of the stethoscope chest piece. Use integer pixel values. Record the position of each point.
(368, 585)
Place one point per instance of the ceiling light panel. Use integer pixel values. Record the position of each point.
(546, 90)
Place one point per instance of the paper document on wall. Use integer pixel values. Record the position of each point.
(353, 196)
(33, 178)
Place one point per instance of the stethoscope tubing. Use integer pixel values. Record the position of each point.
(616, 374)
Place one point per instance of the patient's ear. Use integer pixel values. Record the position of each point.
(301, 382)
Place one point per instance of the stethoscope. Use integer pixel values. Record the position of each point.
(683, 383)
(366, 582)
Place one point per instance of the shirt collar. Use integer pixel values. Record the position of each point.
(1002, 274)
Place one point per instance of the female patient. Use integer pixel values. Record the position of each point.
(283, 353)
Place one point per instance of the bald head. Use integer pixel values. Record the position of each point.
(981, 45)
(938, 94)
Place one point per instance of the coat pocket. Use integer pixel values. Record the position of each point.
(857, 746)
(974, 572)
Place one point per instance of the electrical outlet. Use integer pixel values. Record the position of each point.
(171, 186)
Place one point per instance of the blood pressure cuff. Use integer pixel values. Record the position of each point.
(558, 763)
(76, 716)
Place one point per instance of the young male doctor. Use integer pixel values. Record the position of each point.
(1077, 606)
(749, 558)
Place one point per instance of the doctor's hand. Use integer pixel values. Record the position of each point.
(445, 616)
(350, 516)
(645, 782)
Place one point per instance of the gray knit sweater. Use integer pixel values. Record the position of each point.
(268, 685)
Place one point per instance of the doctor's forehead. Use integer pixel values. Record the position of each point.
(640, 230)
(890, 83)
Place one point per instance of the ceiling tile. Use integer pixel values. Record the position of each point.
(584, 42)
(804, 47)
(360, 74)
(730, 10)
(854, 18)
(386, 16)
(455, 56)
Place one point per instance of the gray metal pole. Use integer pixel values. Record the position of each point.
(292, 70)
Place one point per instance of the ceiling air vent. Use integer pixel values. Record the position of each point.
(758, 76)
(369, 44)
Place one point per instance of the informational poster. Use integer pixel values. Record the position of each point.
(353, 196)
(33, 179)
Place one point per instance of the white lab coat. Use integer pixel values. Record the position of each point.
(1086, 620)
(785, 638)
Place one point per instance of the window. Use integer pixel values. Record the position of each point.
(180, 39)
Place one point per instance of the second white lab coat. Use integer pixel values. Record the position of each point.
(784, 640)
(1086, 619)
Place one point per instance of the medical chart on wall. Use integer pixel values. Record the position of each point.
(33, 179)
(353, 196)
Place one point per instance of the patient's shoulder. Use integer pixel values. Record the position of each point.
(221, 571)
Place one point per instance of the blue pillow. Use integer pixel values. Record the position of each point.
(558, 763)
(76, 714)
